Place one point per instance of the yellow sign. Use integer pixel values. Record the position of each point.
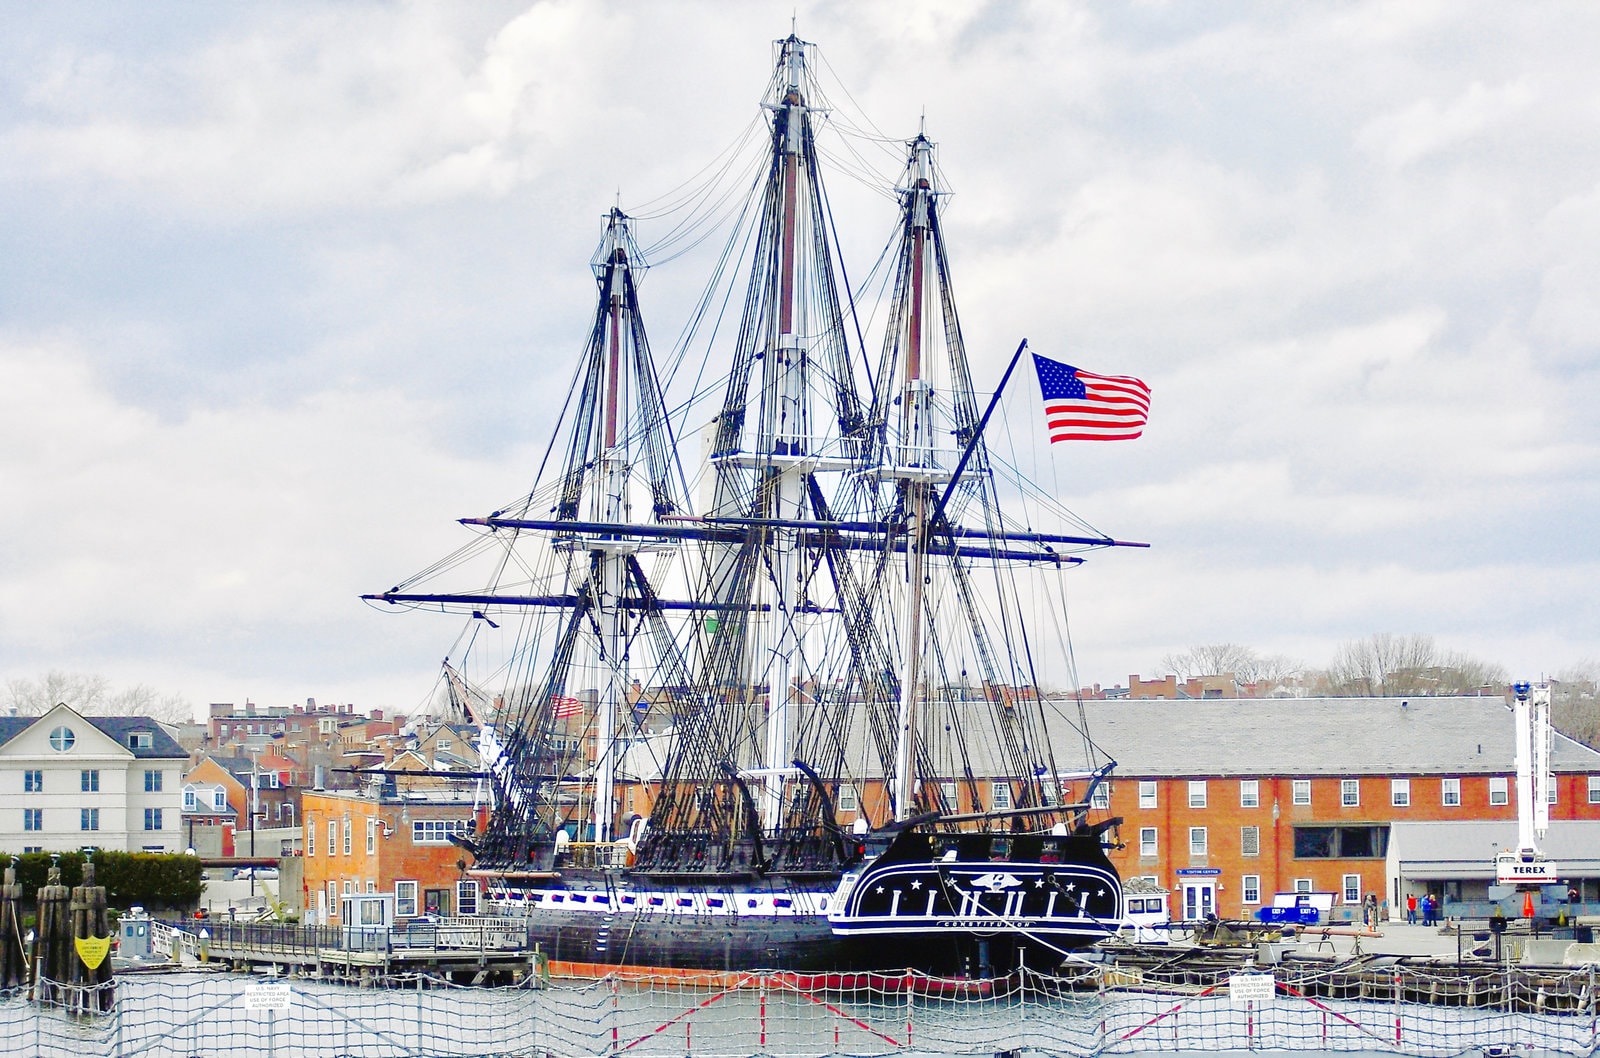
(93, 950)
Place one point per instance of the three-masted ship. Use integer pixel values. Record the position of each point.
(796, 724)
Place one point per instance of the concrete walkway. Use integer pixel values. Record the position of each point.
(1402, 938)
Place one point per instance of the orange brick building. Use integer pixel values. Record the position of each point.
(1227, 802)
(387, 839)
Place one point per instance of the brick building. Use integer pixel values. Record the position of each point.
(1226, 802)
(390, 836)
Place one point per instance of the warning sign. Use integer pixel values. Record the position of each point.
(92, 950)
(268, 997)
(1255, 990)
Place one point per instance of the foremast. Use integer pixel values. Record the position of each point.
(600, 619)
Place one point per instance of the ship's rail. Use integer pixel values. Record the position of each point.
(1095, 1012)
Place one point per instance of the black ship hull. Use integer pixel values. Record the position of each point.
(1027, 900)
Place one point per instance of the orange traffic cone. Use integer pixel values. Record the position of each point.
(1527, 905)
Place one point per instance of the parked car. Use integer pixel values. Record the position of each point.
(243, 874)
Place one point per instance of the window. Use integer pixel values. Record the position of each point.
(152, 819)
(311, 838)
(1302, 885)
(346, 835)
(1249, 841)
(189, 800)
(1302, 791)
(951, 795)
(1400, 793)
(1052, 791)
(1100, 796)
(32, 848)
(152, 781)
(88, 819)
(272, 780)
(437, 831)
(443, 745)
(33, 781)
(62, 738)
(1002, 796)
(372, 885)
(372, 837)
(1450, 793)
(1197, 841)
(1249, 793)
(1550, 794)
(1499, 792)
(466, 897)
(1594, 789)
(1341, 843)
(1197, 793)
(848, 802)
(349, 888)
(1147, 793)
(90, 780)
(139, 740)
(405, 899)
(333, 837)
(333, 894)
(219, 799)
(1349, 793)
(33, 819)
(1352, 888)
(1147, 841)
(1252, 889)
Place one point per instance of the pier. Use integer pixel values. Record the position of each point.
(462, 950)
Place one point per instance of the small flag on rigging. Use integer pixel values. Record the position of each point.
(1082, 406)
(564, 706)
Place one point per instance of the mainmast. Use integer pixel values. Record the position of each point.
(916, 471)
(613, 271)
(791, 424)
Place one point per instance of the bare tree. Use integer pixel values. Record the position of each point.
(92, 695)
(1244, 663)
(1213, 659)
(1575, 702)
(1387, 665)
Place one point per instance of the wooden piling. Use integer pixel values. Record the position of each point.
(13, 946)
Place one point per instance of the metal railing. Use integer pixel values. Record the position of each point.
(214, 938)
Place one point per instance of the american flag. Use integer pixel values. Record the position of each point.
(1082, 406)
(565, 706)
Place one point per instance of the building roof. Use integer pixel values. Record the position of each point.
(1315, 736)
(162, 745)
(1468, 849)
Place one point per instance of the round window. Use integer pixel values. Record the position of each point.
(62, 738)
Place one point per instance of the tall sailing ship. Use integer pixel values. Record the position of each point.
(797, 724)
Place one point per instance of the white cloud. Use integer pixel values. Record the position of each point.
(1426, 128)
(288, 293)
(211, 530)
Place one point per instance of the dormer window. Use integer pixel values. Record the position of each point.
(139, 740)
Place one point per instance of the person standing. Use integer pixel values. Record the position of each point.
(1411, 908)
(1427, 909)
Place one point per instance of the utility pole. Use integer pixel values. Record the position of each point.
(255, 806)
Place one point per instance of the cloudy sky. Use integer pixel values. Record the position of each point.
(285, 289)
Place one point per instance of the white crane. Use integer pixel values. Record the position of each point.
(1525, 865)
